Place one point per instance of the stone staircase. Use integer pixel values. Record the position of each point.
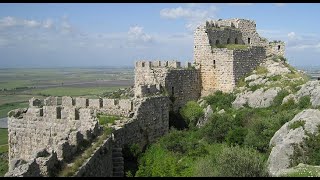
(117, 161)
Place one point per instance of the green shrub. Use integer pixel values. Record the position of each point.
(256, 87)
(290, 104)
(304, 102)
(238, 161)
(157, 162)
(217, 128)
(297, 124)
(191, 112)
(277, 101)
(220, 100)
(275, 78)
(307, 152)
(236, 136)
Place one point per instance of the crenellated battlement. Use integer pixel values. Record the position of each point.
(147, 90)
(161, 64)
(68, 108)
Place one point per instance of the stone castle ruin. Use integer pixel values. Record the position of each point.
(50, 132)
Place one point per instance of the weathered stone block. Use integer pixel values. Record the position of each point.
(82, 102)
(67, 101)
(51, 101)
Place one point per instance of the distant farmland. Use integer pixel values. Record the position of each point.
(17, 86)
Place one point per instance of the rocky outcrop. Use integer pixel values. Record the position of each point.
(256, 99)
(312, 89)
(275, 68)
(288, 136)
(207, 114)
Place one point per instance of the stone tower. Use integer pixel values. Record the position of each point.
(221, 65)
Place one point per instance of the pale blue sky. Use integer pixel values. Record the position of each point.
(111, 34)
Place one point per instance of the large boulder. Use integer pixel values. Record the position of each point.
(287, 137)
(312, 89)
(275, 68)
(256, 99)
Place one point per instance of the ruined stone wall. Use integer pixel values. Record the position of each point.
(224, 35)
(222, 65)
(276, 48)
(202, 47)
(151, 121)
(100, 163)
(246, 61)
(54, 127)
(245, 29)
(182, 86)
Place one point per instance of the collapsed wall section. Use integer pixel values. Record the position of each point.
(275, 48)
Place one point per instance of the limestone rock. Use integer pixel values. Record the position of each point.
(275, 68)
(207, 114)
(258, 81)
(256, 99)
(221, 111)
(285, 138)
(252, 77)
(312, 89)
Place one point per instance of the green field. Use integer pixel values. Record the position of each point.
(3, 151)
(17, 86)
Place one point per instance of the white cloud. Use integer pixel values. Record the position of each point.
(8, 21)
(31, 23)
(48, 23)
(291, 35)
(136, 34)
(240, 4)
(279, 4)
(194, 15)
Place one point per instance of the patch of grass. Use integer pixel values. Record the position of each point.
(261, 70)
(105, 119)
(241, 82)
(275, 78)
(304, 172)
(231, 46)
(297, 124)
(5, 108)
(256, 87)
(3, 136)
(3, 151)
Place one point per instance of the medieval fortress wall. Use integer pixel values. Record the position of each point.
(180, 83)
(221, 68)
(51, 131)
